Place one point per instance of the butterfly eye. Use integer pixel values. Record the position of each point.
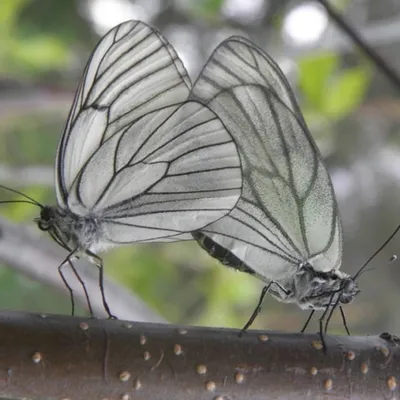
(45, 221)
(42, 226)
(46, 215)
(345, 299)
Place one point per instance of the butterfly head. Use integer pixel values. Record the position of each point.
(317, 290)
(62, 226)
(47, 218)
(349, 290)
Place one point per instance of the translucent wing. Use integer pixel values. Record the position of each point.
(287, 213)
(132, 72)
(168, 173)
(237, 61)
(133, 155)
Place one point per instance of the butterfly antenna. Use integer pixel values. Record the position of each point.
(391, 261)
(17, 201)
(32, 201)
(376, 252)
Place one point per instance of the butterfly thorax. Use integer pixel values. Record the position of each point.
(316, 290)
(70, 230)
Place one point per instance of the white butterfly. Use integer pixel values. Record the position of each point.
(137, 162)
(285, 229)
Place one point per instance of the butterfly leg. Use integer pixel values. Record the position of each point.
(99, 264)
(344, 320)
(308, 321)
(259, 305)
(256, 310)
(322, 331)
(71, 292)
(325, 318)
(342, 315)
(89, 304)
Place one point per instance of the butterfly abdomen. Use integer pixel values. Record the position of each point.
(221, 254)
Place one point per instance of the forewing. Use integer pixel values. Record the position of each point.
(287, 213)
(171, 171)
(132, 72)
(238, 61)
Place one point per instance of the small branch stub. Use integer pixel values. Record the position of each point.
(124, 376)
(36, 357)
(201, 369)
(392, 383)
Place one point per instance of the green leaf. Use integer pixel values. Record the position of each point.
(346, 92)
(9, 11)
(41, 52)
(314, 73)
(207, 9)
(212, 6)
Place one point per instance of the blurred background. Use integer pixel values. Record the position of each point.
(352, 110)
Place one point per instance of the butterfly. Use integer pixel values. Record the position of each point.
(137, 161)
(285, 228)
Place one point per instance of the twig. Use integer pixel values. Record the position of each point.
(16, 102)
(28, 175)
(63, 357)
(390, 73)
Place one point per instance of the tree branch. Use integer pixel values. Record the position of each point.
(25, 100)
(386, 69)
(27, 175)
(68, 357)
(39, 259)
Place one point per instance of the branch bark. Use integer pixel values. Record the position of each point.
(75, 358)
(39, 258)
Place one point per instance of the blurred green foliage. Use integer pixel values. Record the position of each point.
(37, 36)
(21, 52)
(179, 280)
(330, 93)
(329, 89)
(207, 9)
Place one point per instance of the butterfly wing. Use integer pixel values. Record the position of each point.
(287, 213)
(130, 142)
(132, 71)
(168, 173)
(238, 61)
